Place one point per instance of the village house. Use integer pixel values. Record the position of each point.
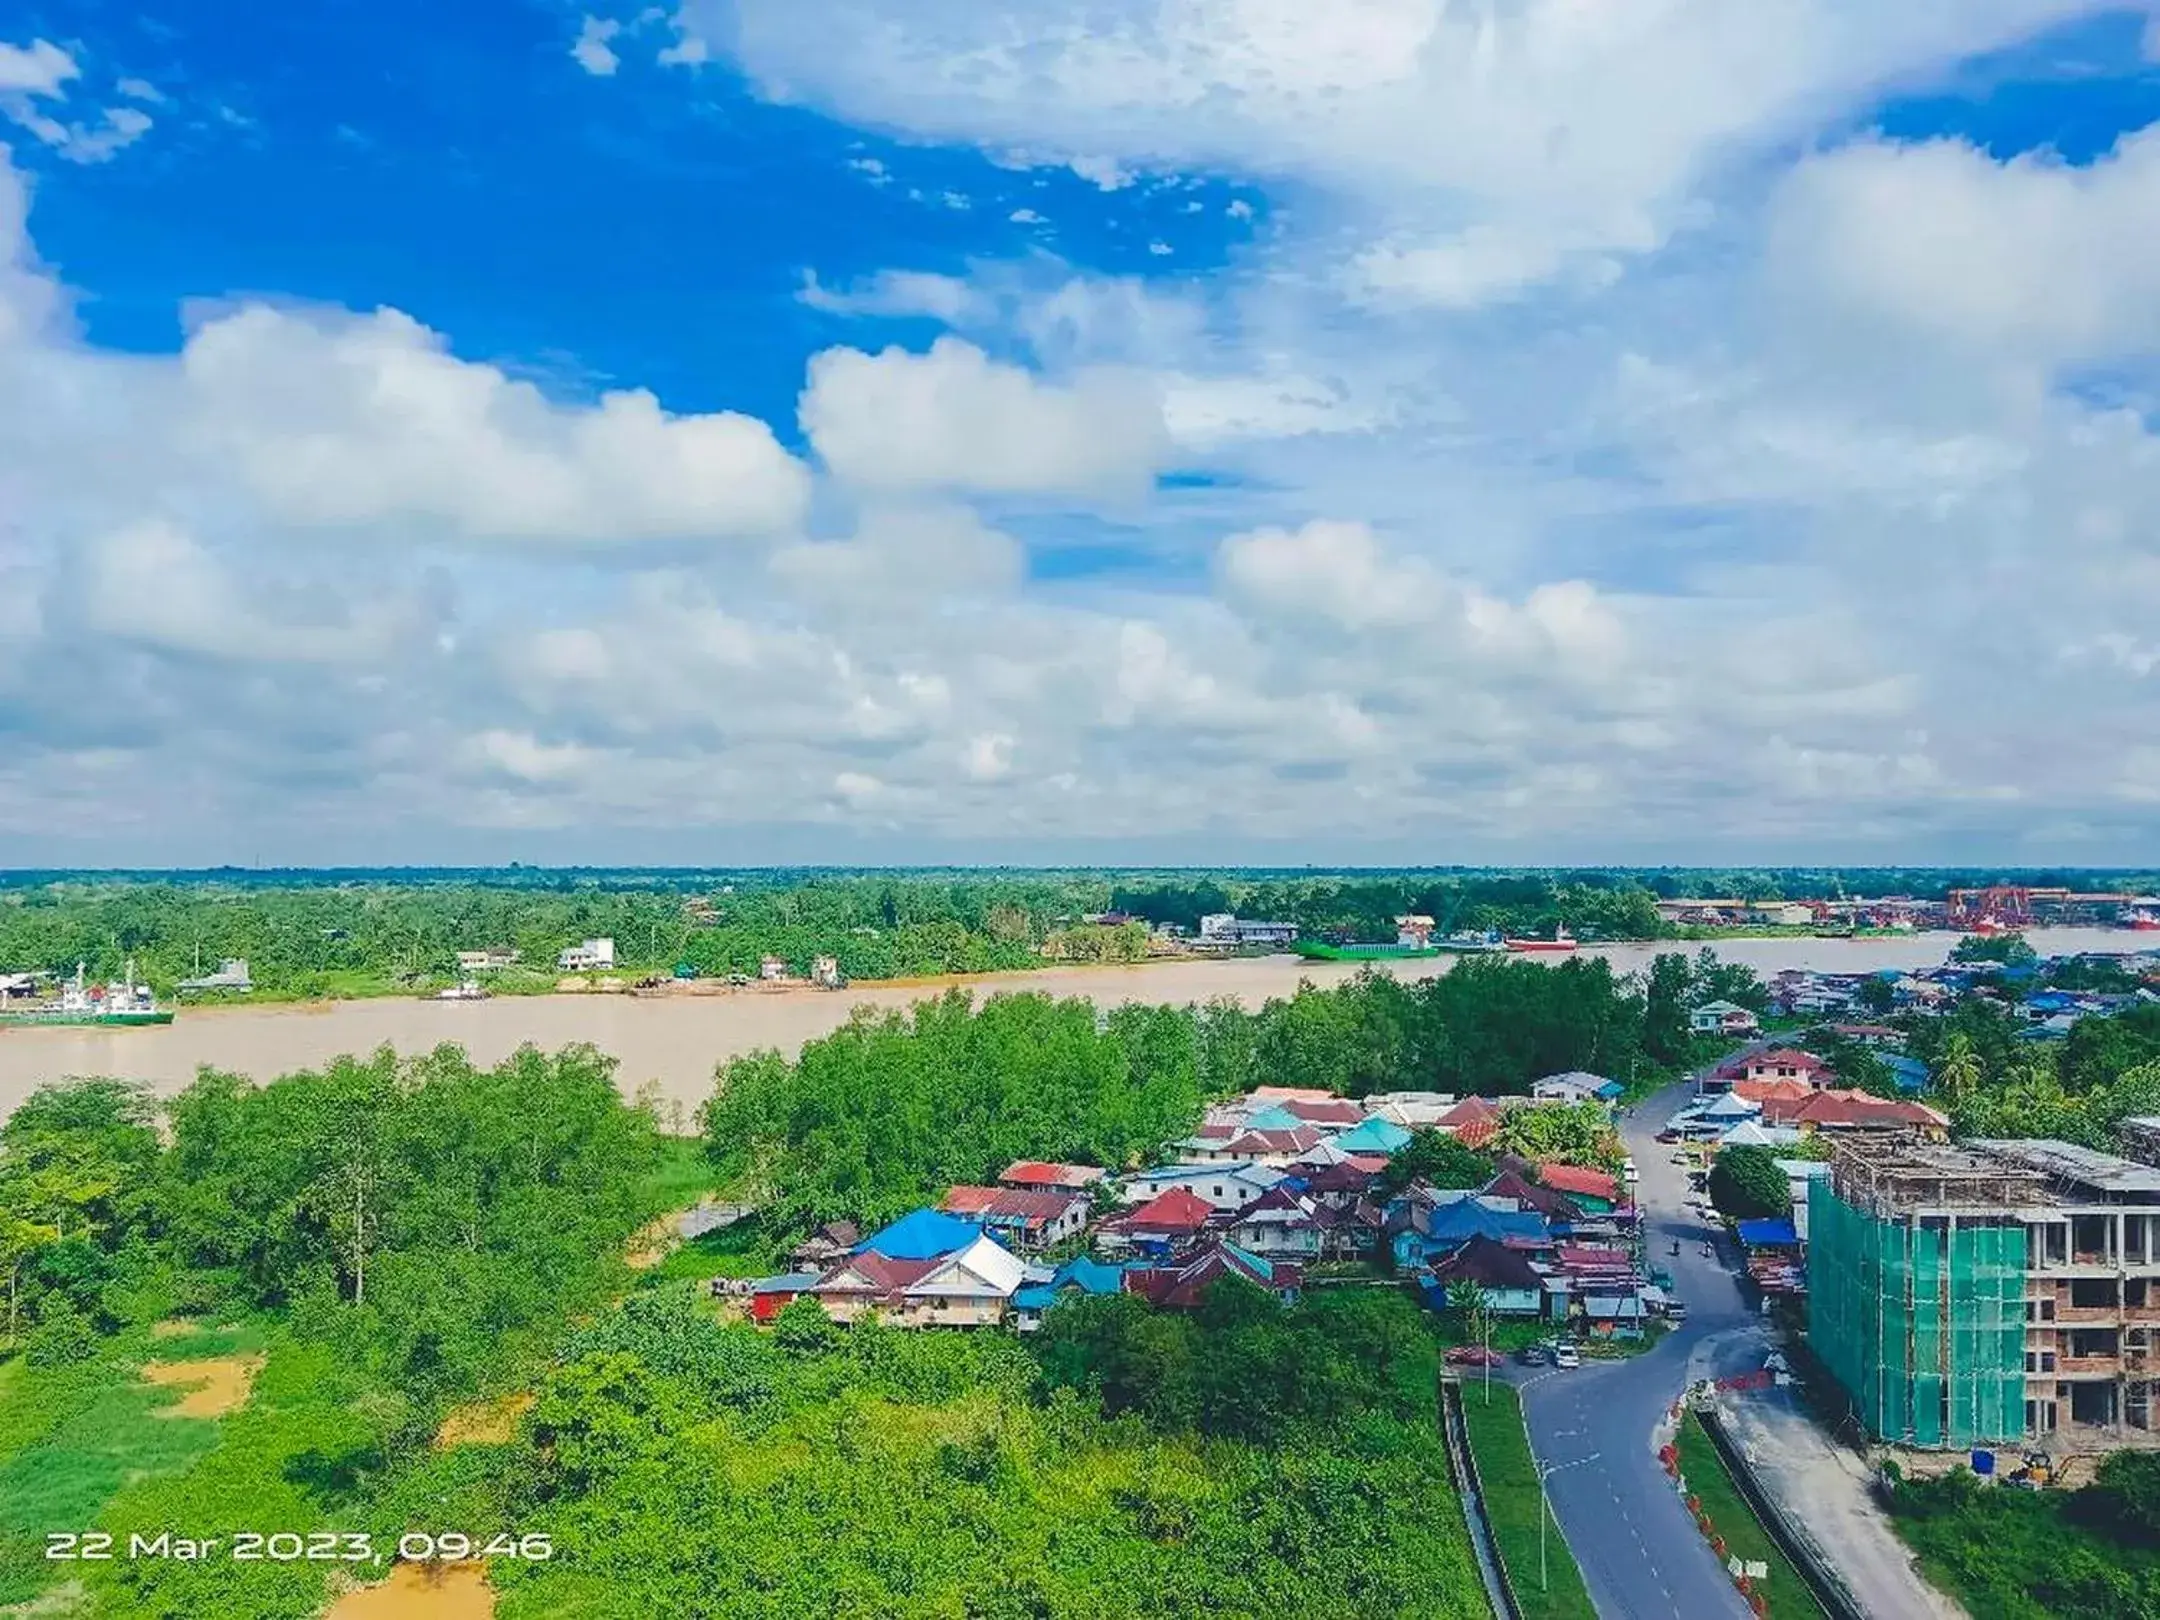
(1080, 1275)
(1038, 1176)
(1575, 1087)
(1250, 1146)
(492, 960)
(1025, 1220)
(827, 1246)
(1594, 1190)
(1842, 1112)
(1282, 1225)
(1168, 1224)
(1424, 1225)
(1474, 1121)
(1507, 1283)
(928, 1269)
(769, 1296)
(1413, 1110)
(1764, 1063)
(1723, 1018)
(1182, 1286)
(1224, 1186)
(587, 956)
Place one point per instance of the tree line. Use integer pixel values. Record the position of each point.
(886, 1112)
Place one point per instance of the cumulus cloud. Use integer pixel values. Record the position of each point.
(955, 419)
(336, 420)
(2047, 261)
(591, 50)
(1507, 523)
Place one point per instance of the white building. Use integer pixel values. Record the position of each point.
(1221, 928)
(587, 956)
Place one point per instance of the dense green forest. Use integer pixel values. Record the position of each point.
(378, 932)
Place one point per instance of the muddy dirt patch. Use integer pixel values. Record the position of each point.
(484, 1423)
(214, 1387)
(421, 1592)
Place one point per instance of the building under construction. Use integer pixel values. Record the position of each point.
(1988, 1293)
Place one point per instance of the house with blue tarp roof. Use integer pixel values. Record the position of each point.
(926, 1234)
(1374, 1135)
(1422, 1229)
(1082, 1274)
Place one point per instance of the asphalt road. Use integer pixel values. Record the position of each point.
(1639, 1551)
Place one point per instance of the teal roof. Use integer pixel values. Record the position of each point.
(1089, 1276)
(1375, 1135)
(1274, 1117)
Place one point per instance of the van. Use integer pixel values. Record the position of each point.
(1675, 1311)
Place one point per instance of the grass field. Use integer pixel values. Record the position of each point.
(1745, 1538)
(1513, 1503)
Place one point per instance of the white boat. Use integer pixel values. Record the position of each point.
(463, 990)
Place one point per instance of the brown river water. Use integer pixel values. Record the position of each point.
(676, 1041)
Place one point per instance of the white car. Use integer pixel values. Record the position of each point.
(1563, 1355)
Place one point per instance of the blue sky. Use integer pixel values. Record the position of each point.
(1401, 430)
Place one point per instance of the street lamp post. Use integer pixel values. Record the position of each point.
(1546, 1471)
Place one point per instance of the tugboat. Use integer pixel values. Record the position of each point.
(122, 1005)
(1562, 940)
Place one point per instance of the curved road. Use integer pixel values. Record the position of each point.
(1639, 1551)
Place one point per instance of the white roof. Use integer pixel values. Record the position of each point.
(983, 1267)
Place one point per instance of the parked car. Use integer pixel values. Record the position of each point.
(1563, 1355)
(1472, 1355)
(1532, 1355)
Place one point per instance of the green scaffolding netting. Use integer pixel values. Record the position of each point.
(1922, 1321)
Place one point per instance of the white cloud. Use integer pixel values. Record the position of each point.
(899, 292)
(987, 758)
(152, 583)
(904, 554)
(1563, 129)
(1026, 216)
(139, 90)
(955, 419)
(2033, 257)
(339, 421)
(591, 50)
(33, 76)
(40, 68)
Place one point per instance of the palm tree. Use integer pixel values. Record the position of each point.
(1957, 1072)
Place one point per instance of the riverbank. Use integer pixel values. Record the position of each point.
(674, 1041)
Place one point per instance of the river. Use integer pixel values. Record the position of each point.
(677, 1041)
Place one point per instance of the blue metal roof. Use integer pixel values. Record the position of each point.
(926, 1234)
(1775, 1234)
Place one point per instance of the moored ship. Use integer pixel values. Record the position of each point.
(120, 1005)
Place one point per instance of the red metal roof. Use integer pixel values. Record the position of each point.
(1044, 1173)
(1569, 1178)
(1033, 1207)
(1178, 1210)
